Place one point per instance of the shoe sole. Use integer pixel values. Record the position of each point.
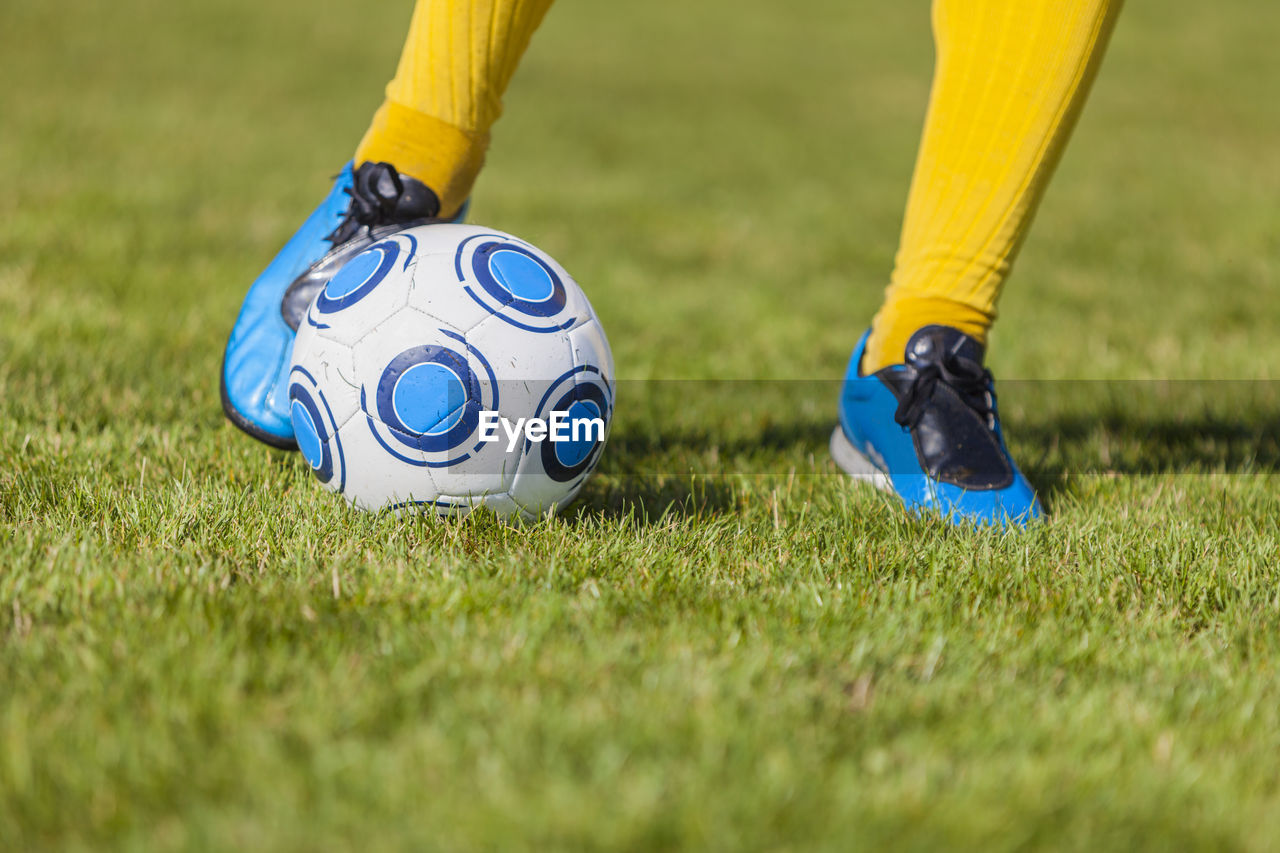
(854, 463)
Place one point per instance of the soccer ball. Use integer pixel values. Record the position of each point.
(449, 367)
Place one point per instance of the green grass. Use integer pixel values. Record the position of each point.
(724, 645)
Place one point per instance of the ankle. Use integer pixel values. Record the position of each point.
(445, 158)
(899, 319)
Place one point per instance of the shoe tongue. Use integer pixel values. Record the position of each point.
(418, 201)
(384, 181)
(929, 344)
(395, 196)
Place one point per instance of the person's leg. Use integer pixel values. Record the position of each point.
(447, 92)
(1009, 81)
(416, 164)
(918, 412)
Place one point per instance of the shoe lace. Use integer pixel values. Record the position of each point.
(375, 191)
(970, 380)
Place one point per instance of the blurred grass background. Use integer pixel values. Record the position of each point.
(724, 645)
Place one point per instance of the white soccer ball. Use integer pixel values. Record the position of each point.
(449, 367)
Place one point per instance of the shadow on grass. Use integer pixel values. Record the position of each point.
(697, 471)
(772, 439)
(694, 471)
(1133, 443)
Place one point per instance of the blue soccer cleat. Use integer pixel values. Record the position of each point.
(928, 430)
(365, 205)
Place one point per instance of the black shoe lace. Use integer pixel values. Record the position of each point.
(967, 377)
(375, 191)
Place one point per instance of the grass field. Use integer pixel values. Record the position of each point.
(724, 645)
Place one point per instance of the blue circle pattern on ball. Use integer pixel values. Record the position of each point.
(518, 276)
(513, 282)
(406, 415)
(585, 399)
(315, 429)
(358, 270)
(523, 275)
(307, 435)
(429, 398)
(572, 453)
(358, 277)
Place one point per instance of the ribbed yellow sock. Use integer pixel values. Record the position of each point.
(1009, 81)
(447, 92)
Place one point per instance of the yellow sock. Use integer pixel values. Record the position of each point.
(447, 92)
(1009, 81)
